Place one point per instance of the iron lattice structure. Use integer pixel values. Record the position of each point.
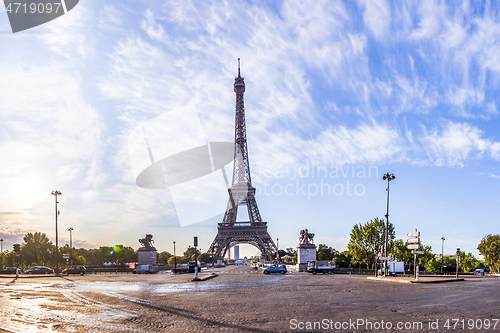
(242, 193)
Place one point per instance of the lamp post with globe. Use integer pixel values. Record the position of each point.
(387, 177)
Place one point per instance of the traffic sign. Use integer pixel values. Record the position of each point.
(417, 252)
(413, 234)
(17, 254)
(384, 258)
(413, 240)
(413, 246)
(376, 257)
(66, 255)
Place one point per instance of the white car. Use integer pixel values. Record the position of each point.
(479, 271)
(144, 269)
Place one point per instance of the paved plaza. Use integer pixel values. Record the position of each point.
(241, 299)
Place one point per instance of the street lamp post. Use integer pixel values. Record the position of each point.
(442, 253)
(175, 261)
(389, 177)
(278, 247)
(1, 246)
(70, 229)
(56, 193)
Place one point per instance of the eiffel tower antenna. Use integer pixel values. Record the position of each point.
(242, 193)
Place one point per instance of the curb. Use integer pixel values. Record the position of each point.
(438, 281)
(204, 278)
(413, 281)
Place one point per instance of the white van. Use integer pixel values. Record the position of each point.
(144, 269)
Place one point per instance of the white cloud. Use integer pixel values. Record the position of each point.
(377, 16)
(68, 172)
(334, 146)
(455, 144)
(430, 20)
(154, 30)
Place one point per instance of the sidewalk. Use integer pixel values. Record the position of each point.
(421, 279)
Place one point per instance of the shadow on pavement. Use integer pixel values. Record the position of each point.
(185, 314)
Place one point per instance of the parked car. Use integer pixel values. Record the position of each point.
(10, 270)
(275, 269)
(75, 270)
(192, 265)
(144, 269)
(39, 270)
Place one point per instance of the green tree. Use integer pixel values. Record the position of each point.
(467, 262)
(365, 238)
(329, 251)
(128, 254)
(37, 250)
(423, 259)
(434, 265)
(203, 257)
(180, 260)
(401, 252)
(77, 259)
(163, 257)
(489, 247)
(9, 259)
(449, 265)
(343, 259)
(171, 260)
(188, 254)
(321, 256)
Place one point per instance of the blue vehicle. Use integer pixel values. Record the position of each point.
(275, 269)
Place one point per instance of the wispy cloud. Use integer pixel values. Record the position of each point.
(455, 144)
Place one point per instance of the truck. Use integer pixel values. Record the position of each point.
(192, 264)
(320, 266)
(394, 267)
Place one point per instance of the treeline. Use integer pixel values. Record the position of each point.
(368, 240)
(38, 250)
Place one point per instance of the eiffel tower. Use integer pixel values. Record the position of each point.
(241, 193)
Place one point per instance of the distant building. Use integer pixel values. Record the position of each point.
(236, 252)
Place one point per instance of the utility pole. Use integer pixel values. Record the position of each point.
(442, 253)
(70, 229)
(389, 177)
(55, 194)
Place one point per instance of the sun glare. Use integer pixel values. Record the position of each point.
(28, 191)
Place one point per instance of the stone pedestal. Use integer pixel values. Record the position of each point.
(147, 255)
(305, 253)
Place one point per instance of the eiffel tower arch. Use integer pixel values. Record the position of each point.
(241, 193)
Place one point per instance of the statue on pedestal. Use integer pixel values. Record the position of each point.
(147, 253)
(306, 251)
(306, 237)
(147, 241)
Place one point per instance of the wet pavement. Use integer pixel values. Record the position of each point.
(71, 304)
(239, 299)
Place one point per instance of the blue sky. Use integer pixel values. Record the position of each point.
(408, 88)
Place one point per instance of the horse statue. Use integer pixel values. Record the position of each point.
(306, 237)
(147, 241)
